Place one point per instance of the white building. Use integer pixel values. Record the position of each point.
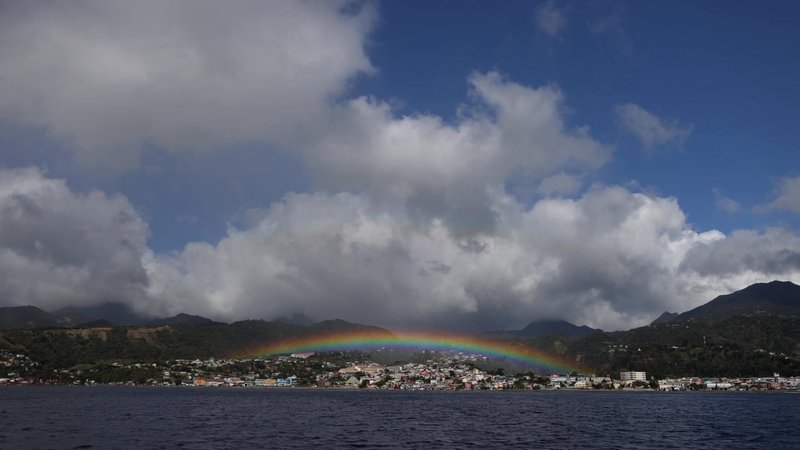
(633, 376)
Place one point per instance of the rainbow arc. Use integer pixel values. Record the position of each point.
(370, 340)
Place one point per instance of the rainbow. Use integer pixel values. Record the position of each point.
(370, 340)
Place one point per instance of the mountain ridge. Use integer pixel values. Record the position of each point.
(541, 328)
(183, 319)
(772, 298)
(775, 297)
(66, 347)
(13, 317)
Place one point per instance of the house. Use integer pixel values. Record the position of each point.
(352, 370)
(633, 376)
(288, 381)
(352, 382)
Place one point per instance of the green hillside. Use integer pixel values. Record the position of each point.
(738, 346)
(61, 348)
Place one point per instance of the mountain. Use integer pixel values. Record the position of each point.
(557, 327)
(297, 319)
(776, 298)
(18, 317)
(541, 328)
(116, 313)
(751, 332)
(754, 345)
(183, 320)
(66, 347)
(339, 326)
(72, 316)
(100, 323)
(665, 317)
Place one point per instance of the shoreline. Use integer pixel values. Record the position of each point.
(410, 391)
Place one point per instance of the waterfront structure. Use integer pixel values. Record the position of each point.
(633, 376)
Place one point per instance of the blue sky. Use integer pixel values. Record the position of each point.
(437, 140)
(728, 68)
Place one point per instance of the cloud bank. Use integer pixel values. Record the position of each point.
(110, 77)
(610, 258)
(412, 221)
(59, 248)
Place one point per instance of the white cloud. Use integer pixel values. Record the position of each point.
(60, 248)
(560, 184)
(551, 20)
(611, 258)
(448, 170)
(411, 223)
(787, 196)
(651, 130)
(774, 251)
(338, 256)
(110, 77)
(725, 203)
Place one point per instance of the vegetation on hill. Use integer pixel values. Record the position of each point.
(60, 348)
(776, 298)
(757, 345)
(752, 332)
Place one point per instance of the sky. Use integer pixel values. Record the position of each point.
(468, 165)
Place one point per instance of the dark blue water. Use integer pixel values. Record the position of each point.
(117, 417)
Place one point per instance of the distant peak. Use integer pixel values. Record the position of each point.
(333, 321)
(665, 317)
(550, 322)
(299, 319)
(775, 298)
(183, 319)
(554, 327)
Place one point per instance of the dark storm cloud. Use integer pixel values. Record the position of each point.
(59, 248)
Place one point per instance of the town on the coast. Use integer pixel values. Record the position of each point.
(455, 371)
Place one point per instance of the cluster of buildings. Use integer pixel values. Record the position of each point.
(14, 368)
(301, 369)
(452, 375)
(773, 383)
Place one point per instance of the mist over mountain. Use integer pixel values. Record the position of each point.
(539, 328)
(773, 298)
(116, 313)
(14, 317)
(296, 319)
(665, 317)
(183, 320)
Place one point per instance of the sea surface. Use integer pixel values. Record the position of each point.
(204, 418)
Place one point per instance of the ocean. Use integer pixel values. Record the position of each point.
(210, 418)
